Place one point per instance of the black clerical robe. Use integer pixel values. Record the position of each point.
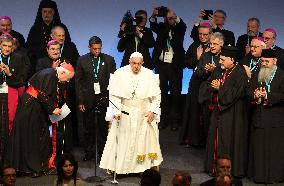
(38, 38)
(193, 130)
(29, 146)
(228, 128)
(71, 54)
(280, 56)
(266, 163)
(64, 129)
(9, 98)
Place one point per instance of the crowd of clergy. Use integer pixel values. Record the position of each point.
(234, 105)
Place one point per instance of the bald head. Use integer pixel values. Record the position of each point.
(5, 24)
(256, 47)
(58, 34)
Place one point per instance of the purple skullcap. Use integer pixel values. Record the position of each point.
(51, 42)
(5, 17)
(207, 25)
(272, 30)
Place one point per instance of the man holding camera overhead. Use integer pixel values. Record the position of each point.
(217, 20)
(138, 40)
(168, 57)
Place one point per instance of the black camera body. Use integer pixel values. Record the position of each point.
(207, 13)
(162, 11)
(128, 19)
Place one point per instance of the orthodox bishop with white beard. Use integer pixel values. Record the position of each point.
(266, 91)
(133, 141)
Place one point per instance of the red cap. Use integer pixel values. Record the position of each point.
(260, 38)
(68, 67)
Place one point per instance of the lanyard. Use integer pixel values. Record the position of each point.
(252, 66)
(212, 61)
(96, 68)
(61, 50)
(268, 83)
(273, 47)
(8, 62)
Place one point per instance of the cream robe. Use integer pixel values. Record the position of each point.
(132, 144)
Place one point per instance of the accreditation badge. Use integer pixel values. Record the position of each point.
(4, 88)
(97, 88)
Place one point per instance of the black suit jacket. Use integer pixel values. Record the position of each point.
(19, 68)
(128, 45)
(228, 35)
(70, 53)
(178, 32)
(84, 78)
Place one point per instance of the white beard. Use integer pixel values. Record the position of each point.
(265, 74)
(222, 67)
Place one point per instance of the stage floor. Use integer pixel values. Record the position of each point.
(175, 158)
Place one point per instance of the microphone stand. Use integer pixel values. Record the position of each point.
(96, 178)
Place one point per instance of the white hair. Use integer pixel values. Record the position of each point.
(61, 69)
(136, 54)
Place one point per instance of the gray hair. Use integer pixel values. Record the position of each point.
(217, 35)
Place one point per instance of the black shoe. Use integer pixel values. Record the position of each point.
(88, 157)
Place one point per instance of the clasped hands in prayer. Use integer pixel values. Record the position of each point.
(150, 115)
(216, 84)
(5, 68)
(260, 93)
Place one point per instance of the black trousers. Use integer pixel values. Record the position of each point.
(64, 137)
(170, 81)
(94, 122)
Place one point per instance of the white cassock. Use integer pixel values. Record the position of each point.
(133, 144)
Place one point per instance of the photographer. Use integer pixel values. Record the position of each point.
(136, 38)
(168, 58)
(217, 20)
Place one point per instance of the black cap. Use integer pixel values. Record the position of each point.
(230, 51)
(48, 4)
(268, 53)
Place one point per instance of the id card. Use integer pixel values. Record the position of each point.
(168, 57)
(4, 88)
(97, 88)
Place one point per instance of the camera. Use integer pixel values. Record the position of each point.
(162, 11)
(207, 13)
(128, 19)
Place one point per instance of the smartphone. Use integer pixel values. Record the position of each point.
(207, 13)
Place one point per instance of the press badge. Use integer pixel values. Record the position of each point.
(168, 57)
(97, 88)
(4, 88)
